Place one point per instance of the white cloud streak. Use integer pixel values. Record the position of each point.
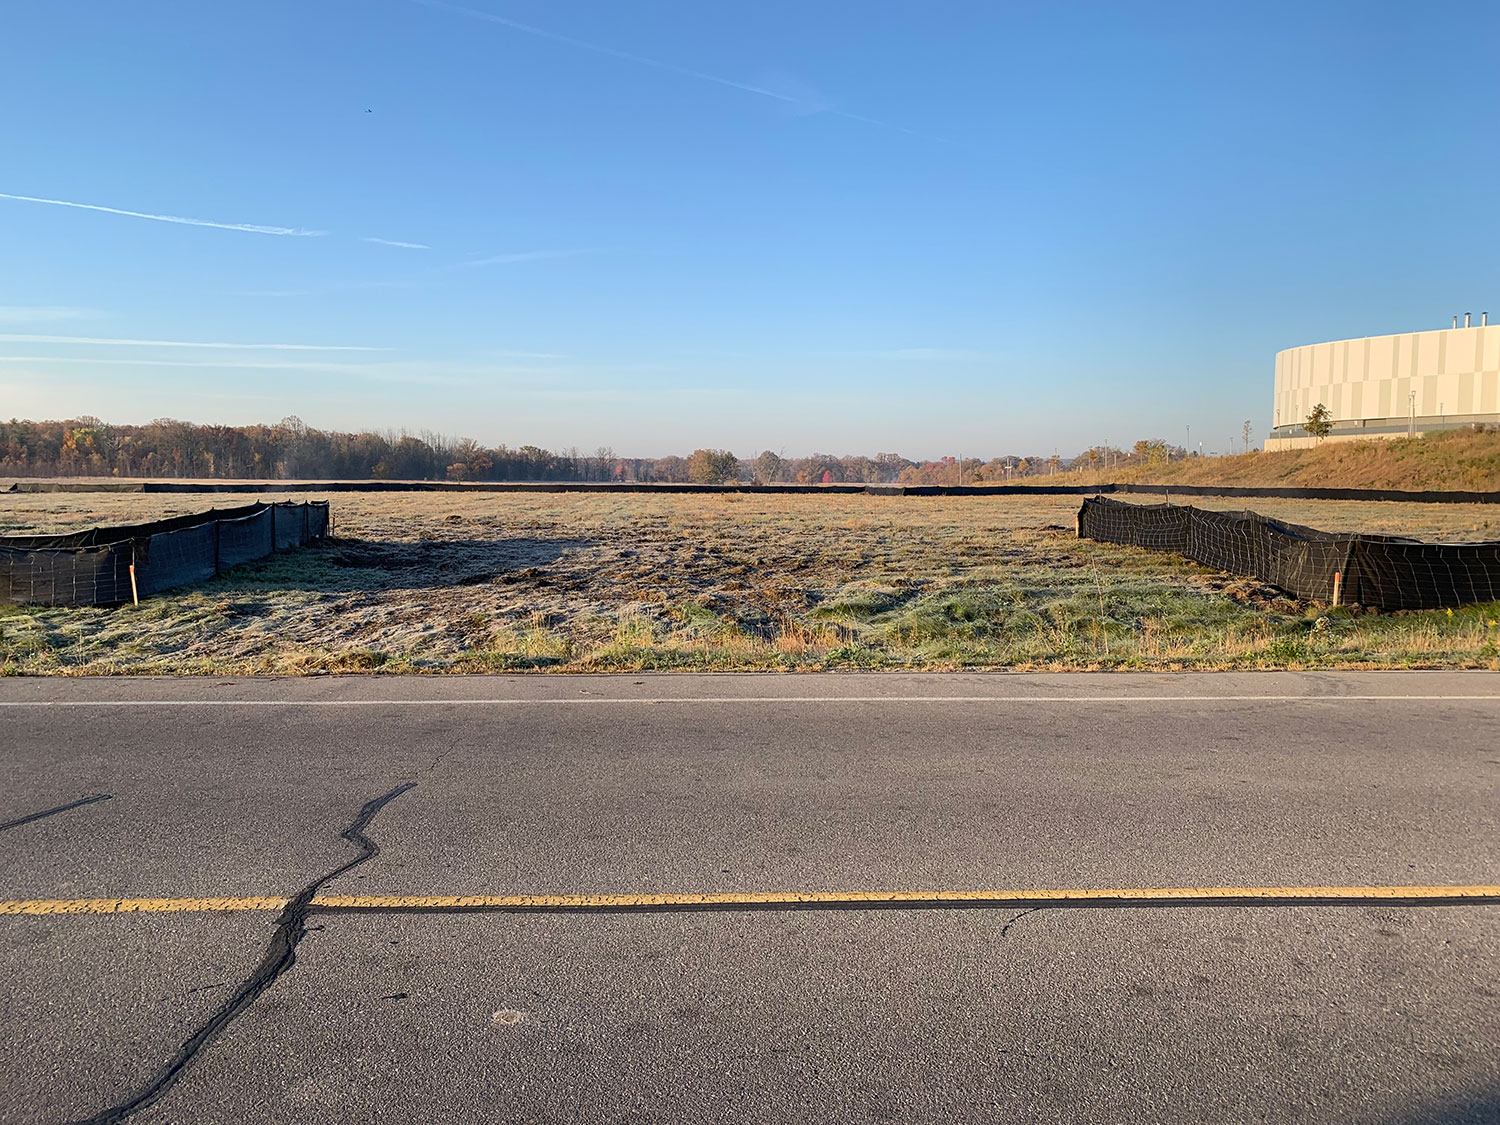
(418, 278)
(599, 48)
(818, 105)
(248, 228)
(394, 242)
(28, 338)
(523, 256)
(250, 364)
(428, 373)
(41, 314)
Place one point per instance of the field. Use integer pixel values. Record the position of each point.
(444, 582)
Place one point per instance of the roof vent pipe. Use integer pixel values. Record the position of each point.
(1484, 318)
(1466, 320)
(1455, 320)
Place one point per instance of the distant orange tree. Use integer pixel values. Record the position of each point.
(713, 466)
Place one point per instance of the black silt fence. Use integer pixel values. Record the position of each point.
(93, 567)
(1381, 571)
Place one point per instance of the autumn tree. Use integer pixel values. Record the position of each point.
(713, 466)
(671, 470)
(1155, 451)
(767, 467)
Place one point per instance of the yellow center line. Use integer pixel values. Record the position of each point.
(1154, 896)
(137, 905)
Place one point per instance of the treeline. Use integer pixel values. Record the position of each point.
(87, 447)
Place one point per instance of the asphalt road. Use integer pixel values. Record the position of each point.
(1376, 1010)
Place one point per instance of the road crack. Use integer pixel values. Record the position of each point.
(280, 955)
(54, 811)
(1005, 929)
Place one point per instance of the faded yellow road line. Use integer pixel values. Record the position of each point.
(1103, 896)
(136, 905)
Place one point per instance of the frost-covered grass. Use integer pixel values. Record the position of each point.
(439, 582)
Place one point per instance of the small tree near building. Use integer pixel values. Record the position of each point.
(1318, 424)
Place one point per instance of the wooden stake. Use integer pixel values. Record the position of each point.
(1338, 582)
(135, 595)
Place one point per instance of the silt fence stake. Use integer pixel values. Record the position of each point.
(1338, 582)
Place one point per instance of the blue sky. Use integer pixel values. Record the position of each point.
(922, 227)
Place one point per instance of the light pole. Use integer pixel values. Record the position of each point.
(1411, 406)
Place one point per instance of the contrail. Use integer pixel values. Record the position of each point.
(522, 256)
(250, 228)
(370, 372)
(23, 314)
(418, 277)
(195, 364)
(599, 48)
(394, 242)
(671, 68)
(28, 338)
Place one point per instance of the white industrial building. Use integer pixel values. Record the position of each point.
(1390, 386)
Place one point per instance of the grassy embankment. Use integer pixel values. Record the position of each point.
(424, 582)
(1457, 459)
